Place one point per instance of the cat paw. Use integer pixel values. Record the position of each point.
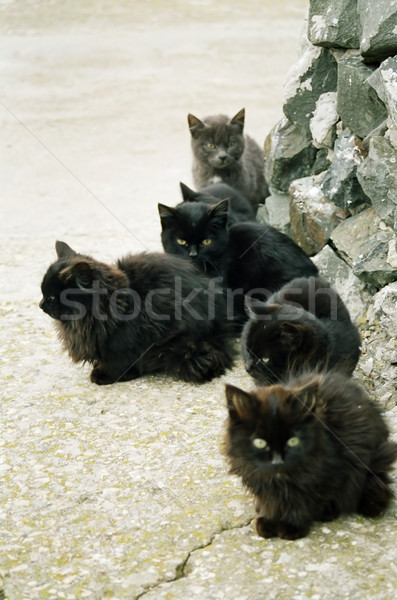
(99, 377)
(266, 528)
(286, 531)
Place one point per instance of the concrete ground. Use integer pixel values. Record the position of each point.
(122, 491)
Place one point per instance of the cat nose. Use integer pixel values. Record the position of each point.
(222, 157)
(249, 365)
(277, 459)
(193, 251)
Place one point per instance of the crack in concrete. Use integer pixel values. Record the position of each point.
(180, 570)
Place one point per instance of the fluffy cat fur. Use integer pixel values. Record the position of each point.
(222, 152)
(304, 325)
(147, 313)
(249, 257)
(309, 450)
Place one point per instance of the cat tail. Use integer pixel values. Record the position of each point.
(191, 360)
(377, 492)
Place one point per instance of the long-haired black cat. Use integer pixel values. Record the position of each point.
(250, 257)
(222, 152)
(304, 325)
(148, 313)
(309, 450)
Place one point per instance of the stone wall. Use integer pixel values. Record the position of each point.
(331, 167)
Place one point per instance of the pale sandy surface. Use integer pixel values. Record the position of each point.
(113, 492)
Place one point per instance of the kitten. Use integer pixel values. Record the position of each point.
(221, 152)
(304, 325)
(239, 207)
(249, 257)
(147, 313)
(309, 450)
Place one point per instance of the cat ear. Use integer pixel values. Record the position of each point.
(82, 274)
(309, 393)
(242, 406)
(219, 211)
(194, 124)
(63, 250)
(257, 307)
(166, 213)
(292, 333)
(188, 194)
(239, 119)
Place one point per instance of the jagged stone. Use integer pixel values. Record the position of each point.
(384, 82)
(314, 74)
(289, 155)
(334, 23)
(362, 116)
(275, 212)
(378, 364)
(368, 246)
(377, 175)
(340, 184)
(350, 288)
(313, 217)
(378, 28)
(322, 124)
(322, 162)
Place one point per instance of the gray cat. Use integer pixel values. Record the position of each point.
(222, 153)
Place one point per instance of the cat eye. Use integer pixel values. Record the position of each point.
(206, 242)
(259, 443)
(293, 442)
(211, 146)
(265, 359)
(231, 144)
(181, 242)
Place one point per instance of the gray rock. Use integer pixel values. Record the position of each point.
(340, 183)
(275, 212)
(368, 246)
(334, 23)
(313, 217)
(383, 310)
(350, 288)
(377, 175)
(289, 155)
(384, 82)
(359, 106)
(380, 347)
(322, 162)
(322, 124)
(378, 28)
(314, 74)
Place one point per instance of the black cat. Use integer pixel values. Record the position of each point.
(304, 325)
(239, 207)
(248, 257)
(309, 450)
(222, 153)
(147, 313)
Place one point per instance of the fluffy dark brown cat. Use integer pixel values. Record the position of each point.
(222, 153)
(147, 313)
(304, 325)
(309, 450)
